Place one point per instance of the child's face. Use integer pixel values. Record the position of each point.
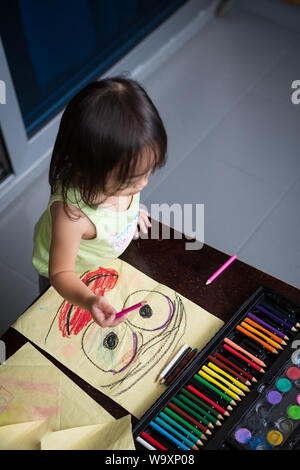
(134, 184)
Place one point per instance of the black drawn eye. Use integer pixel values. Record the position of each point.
(154, 315)
(111, 341)
(110, 349)
(146, 311)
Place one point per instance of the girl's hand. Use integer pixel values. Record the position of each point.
(143, 222)
(103, 313)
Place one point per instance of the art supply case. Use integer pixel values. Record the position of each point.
(223, 437)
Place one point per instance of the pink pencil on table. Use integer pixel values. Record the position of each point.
(129, 309)
(220, 270)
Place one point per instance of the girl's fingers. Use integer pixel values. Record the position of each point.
(112, 321)
(107, 309)
(104, 314)
(144, 219)
(145, 212)
(143, 226)
(119, 320)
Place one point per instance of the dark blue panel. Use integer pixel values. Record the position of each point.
(55, 47)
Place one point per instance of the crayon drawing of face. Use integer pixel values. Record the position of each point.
(126, 353)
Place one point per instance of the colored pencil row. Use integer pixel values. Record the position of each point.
(262, 332)
(196, 409)
(177, 364)
(200, 406)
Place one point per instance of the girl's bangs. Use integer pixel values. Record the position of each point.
(141, 163)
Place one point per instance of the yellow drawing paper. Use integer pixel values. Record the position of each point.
(123, 362)
(36, 397)
(116, 435)
(23, 436)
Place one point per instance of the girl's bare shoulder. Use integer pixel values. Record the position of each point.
(75, 220)
(57, 210)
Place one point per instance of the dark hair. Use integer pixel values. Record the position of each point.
(107, 126)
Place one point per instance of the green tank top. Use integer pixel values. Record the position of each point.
(114, 232)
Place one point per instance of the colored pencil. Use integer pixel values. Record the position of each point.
(219, 385)
(163, 432)
(145, 444)
(240, 356)
(180, 403)
(178, 418)
(250, 335)
(233, 379)
(211, 418)
(232, 372)
(276, 318)
(217, 376)
(176, 364)
(182, 438)
(178, 426)
(190, 418)
(180, 366)
(207, 422)
(232, 364)
(244, 351)
(221, 269)
(258, 333)
(217, 390)
(280, 313)
(211, 402)
(173, 361)
(267, 325)
(152, 440)
(209, 410)
(129, 309)
(259, 327)
(210, 393)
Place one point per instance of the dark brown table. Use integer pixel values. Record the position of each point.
(168, 262)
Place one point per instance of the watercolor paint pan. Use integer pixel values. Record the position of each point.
(219, 436)
(274, 415)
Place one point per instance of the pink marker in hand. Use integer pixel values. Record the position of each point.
(129, 309)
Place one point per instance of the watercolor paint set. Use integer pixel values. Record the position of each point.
(241, 391)
(275, 415)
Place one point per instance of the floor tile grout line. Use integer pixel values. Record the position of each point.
(230, 109)
(268, 213)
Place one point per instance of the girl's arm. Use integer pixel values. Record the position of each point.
(65, 241)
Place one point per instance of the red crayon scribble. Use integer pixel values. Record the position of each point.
(71, 318)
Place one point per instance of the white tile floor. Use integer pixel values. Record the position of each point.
(234, 140)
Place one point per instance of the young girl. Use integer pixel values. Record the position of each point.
(110, 139)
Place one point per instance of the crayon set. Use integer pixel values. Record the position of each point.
(242, 391)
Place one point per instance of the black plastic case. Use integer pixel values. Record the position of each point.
(220, 437)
